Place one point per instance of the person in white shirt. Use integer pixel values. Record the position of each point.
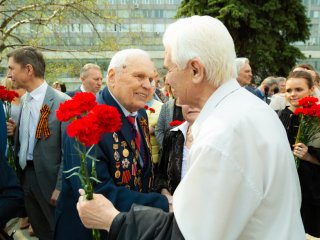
(241, 181)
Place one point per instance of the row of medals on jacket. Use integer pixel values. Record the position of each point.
(126, 175)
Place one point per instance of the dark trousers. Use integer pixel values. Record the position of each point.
(311, 218)
(39, 210)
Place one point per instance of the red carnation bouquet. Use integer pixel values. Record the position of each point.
(7, 97)
(88, 122)
(309, 128)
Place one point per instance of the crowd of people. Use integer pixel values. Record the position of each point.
(210, 158)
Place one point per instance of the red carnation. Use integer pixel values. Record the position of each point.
(86, 100)
(176, 123)
(107, 117)
(152, 110)
(7, 95)
(307, 102)
(68, 110)
(146, 107)
(86, 130)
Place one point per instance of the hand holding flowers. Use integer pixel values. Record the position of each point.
(309, 127)
(88, 122)
(7, 97)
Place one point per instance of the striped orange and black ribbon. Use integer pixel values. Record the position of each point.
(43, 127)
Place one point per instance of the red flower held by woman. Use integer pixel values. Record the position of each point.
(309, 127)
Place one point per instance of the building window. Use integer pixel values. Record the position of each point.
(123, 13)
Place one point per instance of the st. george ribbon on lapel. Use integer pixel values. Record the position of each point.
(43, 128)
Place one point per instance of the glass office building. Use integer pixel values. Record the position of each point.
(311, 48)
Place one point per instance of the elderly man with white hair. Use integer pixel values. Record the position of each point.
(125, 168)
(241, 181)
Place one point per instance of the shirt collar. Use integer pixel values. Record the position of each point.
(82, 88)
(182, 127)
(125, 111)
(39, 91)
(214, 100)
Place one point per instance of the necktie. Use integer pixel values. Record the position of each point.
(25, 117)
(132, 121)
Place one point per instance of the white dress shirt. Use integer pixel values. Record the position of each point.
(242, 181)
(37, 95)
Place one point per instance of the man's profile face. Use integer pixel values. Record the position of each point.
(245, 75)
(17, 73)
(92, 80)
(133, 84)
(179, 80)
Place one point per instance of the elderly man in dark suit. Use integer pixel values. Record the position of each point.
(124, 168)
(37, 139)
(91, 79)
(11, 194)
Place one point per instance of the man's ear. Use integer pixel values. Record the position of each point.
(111, 77)
(29, 69)
(198, 72)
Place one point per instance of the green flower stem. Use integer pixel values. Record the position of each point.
(87, 184)
(298, 139)
(11, 153)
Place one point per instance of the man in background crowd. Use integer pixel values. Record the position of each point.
(91, 79)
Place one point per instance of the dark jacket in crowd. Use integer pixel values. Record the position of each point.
(168, 173)
(156, 225)
(309, 176)
(11, 194)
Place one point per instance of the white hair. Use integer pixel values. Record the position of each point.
(204, 38)
(240, 62)
(119, 60)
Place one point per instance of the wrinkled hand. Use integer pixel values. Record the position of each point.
(97, 213)
(54, 197)
(11, 126)
(301, 151)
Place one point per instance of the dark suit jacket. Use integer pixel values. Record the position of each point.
(121, 194)
(72, 93)
(47, 153)
(11, 194)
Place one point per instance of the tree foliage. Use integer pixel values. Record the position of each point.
(47, 24)
(263, 30)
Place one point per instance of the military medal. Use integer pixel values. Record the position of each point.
(133, 144)
(126, 176)
(125, 163)
(134, 168)
(117, 172)
(116, 154)
(115, 137)
(125, 152)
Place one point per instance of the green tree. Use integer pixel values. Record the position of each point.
(263, 30)
(57, 25)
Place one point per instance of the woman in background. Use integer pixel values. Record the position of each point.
(173, 159)
(170, 111)
(299, 84)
